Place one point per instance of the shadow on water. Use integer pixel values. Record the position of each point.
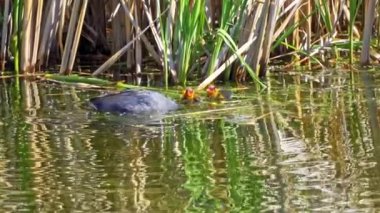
(309, 142)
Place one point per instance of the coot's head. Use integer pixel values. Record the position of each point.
(189, 95)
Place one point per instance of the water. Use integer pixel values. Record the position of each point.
(308, 143)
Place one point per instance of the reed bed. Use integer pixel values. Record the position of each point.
(203, 40)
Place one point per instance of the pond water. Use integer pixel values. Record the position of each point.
(309, 142)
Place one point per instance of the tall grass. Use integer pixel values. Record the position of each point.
(189, 31)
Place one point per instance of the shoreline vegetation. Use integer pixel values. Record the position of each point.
(185, 40)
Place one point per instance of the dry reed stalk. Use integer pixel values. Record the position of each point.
(78, 33)
(257, 50)
(212, 111)
(156, 35)
(249, 19)
(117, 55)
(37, 31)
(4, 35)
(249, 30)
(244, 48)
(27, 38)
(252, 27)
(296, 34)
(52, 45)
(169, 33)
(292, 9)
(289, 11)
(129, 36)
(138, 47)
(46, 32)
(70, 37)
(64, 4)
(308, 29)
(269, 38)
(118, 34)
(145, 40)
(368, 24)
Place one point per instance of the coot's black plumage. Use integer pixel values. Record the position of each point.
(134, 102)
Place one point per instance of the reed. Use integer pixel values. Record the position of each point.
(15, 37)
(49, 28)
(370, 7)
(4, 34)
(354, 8)
(78, 31)
(187, 33)
(72, 36)
(187, 40)
(37, 30)
(230, 11)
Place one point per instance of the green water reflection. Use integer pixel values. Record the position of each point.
(308, 143)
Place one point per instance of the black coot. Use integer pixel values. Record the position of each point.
(134, 102)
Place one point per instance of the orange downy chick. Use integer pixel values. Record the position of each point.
(189, 95)
(216, 94)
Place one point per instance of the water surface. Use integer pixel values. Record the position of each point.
(309, 142)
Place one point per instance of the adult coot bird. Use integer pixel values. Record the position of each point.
(134, 102)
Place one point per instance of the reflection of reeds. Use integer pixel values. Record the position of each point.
(316, 139)
(213, 158)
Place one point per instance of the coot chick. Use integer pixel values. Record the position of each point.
(214, 93)
(189, 96)
(134, 102)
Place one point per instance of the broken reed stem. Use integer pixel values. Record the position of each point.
(147, 44)
(117, 55)
(227, 63)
